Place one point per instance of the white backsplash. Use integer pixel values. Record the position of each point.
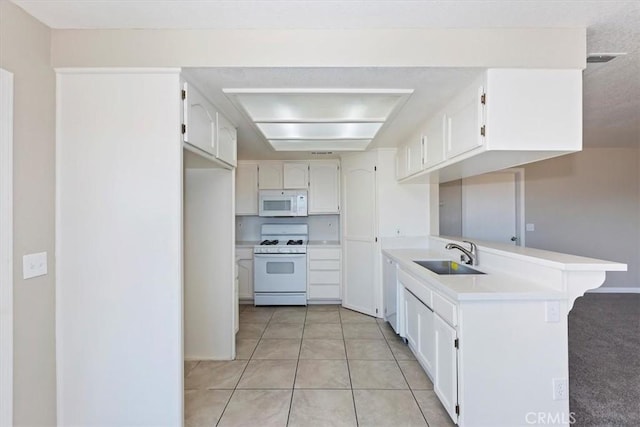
(321, 227)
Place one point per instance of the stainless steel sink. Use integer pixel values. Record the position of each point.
(447, 267)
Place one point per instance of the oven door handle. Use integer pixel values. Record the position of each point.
(278, 255)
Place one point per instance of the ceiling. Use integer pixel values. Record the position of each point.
(611, 91)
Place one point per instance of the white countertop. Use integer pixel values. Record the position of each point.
(490, 286)
(324, 243)
(546, 258)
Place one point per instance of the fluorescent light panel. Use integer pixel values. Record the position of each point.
(319, 119)
(319, 131)
(320, 145)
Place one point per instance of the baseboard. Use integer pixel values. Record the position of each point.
(612, 290)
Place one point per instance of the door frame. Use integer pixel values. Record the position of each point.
(6, 248)
(519, 200)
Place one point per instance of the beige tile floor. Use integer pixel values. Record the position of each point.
(316, 366)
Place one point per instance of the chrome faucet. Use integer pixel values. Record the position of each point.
(469, 257)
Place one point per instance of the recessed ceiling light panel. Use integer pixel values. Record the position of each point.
(319, 119)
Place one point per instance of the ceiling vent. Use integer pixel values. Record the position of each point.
(599, 58)
(319, 120)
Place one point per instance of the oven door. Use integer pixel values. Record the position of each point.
(280, 272)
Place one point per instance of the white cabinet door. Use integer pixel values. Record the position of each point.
(296, 175)
(426, 341)
(412, 319)
(390, 287)
(360, 254)
(245, 278)
(200, 120)
(247, 189)
(402, 164)
(270, 175)
(445, 382)
(414, 156)
(227, 140)
(465, 121)
(324, 187)
(434, 141)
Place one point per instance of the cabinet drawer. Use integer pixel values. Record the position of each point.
(445, 309)
(324, 265)
(315, 254)
(324, 292)
(330, 277)
(417, 288)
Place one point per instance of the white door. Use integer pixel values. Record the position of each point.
(434, 141)
(324, 187)
(426, 341)
(360, 265)
(445, 383)
(489, 207)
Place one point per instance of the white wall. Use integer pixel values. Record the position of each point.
(588, 203)
(119, 249)
(209, 260)
(324, 48)
(321, 227)
(25, 51)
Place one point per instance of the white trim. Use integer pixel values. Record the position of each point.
(58, 304)
(6, 248)
(116, 70)
(615, 290)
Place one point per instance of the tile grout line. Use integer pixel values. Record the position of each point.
(404, 376)
(295, 374)
(243, 371)
(344, 342)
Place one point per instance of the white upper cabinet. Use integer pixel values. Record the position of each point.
(226, 141)
(247, 188)
(206, 129)
(324, 187)
(415, 156)
(296, 175)
(434, 141)
(200, 120)
(505, 118)
(270, 176)
(465, 121)
(402, 162)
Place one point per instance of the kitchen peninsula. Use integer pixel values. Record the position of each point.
(494, 344)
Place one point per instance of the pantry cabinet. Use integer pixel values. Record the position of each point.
(247, 188)
(324, 187)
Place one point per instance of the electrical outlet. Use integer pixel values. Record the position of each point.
(552, 311)
(531, 227)
(560, 389)
(34, 265)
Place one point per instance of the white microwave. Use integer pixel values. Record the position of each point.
(282, 203)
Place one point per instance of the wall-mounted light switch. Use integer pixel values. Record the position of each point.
(34, 265)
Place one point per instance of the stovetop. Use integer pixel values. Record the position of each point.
(283, 239)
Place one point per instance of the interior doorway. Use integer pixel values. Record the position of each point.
(6, 248)
(487, 207)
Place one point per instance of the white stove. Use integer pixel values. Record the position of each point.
(280, 265)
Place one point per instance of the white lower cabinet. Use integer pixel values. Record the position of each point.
(323, 274)
(245, 273)
(445, 372)
(431, 339)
